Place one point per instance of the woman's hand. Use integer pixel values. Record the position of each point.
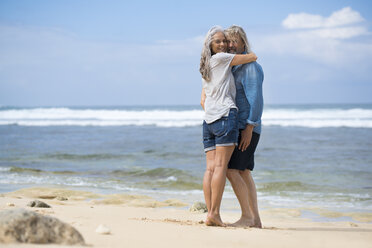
(202, 98)
(243, 59)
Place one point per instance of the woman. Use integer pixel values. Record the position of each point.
(220, 130)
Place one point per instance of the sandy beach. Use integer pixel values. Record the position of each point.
(139, 221)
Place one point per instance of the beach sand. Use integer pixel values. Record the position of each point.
(139, 221)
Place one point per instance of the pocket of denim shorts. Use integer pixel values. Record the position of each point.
(233, 119)
(219, 127)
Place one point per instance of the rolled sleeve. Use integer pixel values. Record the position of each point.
(254, 123)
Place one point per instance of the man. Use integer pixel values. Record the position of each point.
(249, 100)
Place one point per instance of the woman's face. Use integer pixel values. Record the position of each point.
(219, 43)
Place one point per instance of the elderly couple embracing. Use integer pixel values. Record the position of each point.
(233, 104)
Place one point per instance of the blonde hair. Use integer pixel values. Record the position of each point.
(206, 53)
(236, 31)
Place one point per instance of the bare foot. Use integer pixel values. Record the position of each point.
(257, 223)
(243, 222)
(214, 221)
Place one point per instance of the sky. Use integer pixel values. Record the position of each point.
(109, 53)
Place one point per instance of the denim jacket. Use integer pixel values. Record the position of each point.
(249, 99)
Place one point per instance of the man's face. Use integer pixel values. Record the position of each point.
(235, 44)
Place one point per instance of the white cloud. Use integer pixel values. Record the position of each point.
(345, 16)
(322, 40)
(342, 24)
(324, 50)
(339, 33)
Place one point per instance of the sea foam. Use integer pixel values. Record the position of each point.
(286, 117)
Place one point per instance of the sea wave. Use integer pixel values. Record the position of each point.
(157, 178)
(99, 117)
(84, 157)
(317, 118)
(19, 170)
(286, 117)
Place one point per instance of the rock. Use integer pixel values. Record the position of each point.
(61, 198)
(102, 229)
(38, 204)
(10, 204)
(20, 225)
(199, 207)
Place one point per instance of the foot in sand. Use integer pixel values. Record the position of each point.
(257, 223)
(214, 220)
(243, 222)
(247, 222)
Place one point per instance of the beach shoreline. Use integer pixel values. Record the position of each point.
(140, 221)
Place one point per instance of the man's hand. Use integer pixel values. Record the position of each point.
(246, 137)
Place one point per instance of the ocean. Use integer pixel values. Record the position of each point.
(317, 156)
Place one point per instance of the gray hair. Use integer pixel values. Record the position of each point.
(206, 53)
(237, 31)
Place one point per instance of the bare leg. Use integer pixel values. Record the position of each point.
(241, 191)
(210, 156)
(248, 179)
(223, 155)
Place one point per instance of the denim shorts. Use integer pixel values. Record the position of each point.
(223, 132)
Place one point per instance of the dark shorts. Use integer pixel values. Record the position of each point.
(223, 132)
(244, 160)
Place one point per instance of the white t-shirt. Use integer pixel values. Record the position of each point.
(220, 91)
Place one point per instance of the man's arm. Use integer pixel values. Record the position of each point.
(252, 84)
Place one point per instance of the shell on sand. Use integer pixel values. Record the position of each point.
(102, 229)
